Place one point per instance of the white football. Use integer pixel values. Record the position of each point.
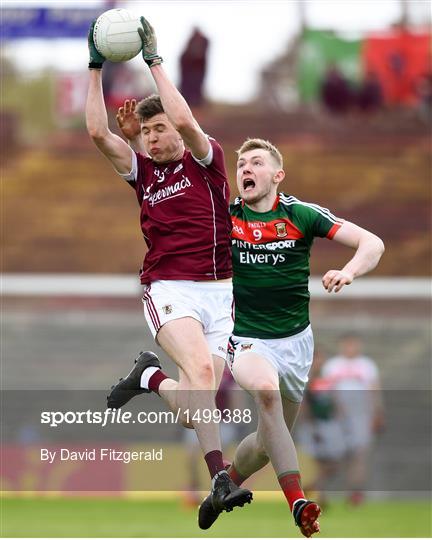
(116, 35)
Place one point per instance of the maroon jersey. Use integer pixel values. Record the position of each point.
(184, 217)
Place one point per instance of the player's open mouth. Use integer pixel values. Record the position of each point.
(248, 184)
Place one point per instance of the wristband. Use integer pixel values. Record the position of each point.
(154, 61)
(95, 65)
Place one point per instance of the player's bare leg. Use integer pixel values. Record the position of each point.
(168, 389)
(271, 441)
(146, 376)
(194, 395)
(306, 513)
(183, 340)
(263, 383)
(251, 455)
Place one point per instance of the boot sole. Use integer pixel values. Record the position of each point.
(237, 501)
(309, 520)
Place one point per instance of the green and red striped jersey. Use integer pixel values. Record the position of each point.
(271, 253)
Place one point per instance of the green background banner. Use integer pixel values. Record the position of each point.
(318, 51)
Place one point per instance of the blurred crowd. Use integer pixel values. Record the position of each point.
(340, 96)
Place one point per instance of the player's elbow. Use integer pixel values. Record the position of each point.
(96, 132)
(183, 126)
(373, 243)
(380, 247)
(97, 135)
(184, 122)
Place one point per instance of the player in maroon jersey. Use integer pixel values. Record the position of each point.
(183, 195)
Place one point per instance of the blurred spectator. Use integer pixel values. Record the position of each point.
(424, 95)
(120, 82)
(336, 94)
(370, 94)
(354, 378)
(401, 88)
(193, 64)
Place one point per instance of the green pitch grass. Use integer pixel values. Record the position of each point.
(108, 517)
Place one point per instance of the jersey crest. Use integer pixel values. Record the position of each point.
(281, 230)
(257, 232)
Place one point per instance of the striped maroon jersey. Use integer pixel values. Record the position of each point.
(184, 217)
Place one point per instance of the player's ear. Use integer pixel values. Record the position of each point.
(279, 176)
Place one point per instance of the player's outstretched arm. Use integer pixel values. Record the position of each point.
(112, 146)
(175, 106)
(369, 249)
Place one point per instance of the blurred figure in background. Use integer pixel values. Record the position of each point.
(354, 379)
(424, 97)
(370, 95)
(120, 82)
(397, 72)
(193, 66)
(336, 93)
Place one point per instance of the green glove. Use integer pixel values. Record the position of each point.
(96, 59)
(149, 41)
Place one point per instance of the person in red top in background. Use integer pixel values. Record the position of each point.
(355, 380)
(183, 195)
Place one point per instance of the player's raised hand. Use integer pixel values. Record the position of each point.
(96, 60)
(149, 41)
(334, 280)
(128, 121)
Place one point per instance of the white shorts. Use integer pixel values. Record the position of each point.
(357, 432)
(210, 303)
(291, 357)
(322, 439)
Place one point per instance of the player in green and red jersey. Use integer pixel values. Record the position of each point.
(271, 350)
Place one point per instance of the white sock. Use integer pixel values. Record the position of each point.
(146, 374)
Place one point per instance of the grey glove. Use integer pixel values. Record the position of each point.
(149, 41)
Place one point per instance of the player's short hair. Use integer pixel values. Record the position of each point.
(149, 107)
(254, 144)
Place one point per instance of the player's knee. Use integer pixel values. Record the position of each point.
(266, 395)
(185, 422)
(203, 376)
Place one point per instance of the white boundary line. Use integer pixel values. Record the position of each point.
(125, 285)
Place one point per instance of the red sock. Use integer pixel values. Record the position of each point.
(235, 476)
(214, 462)
(291, 486)
(155, 380)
